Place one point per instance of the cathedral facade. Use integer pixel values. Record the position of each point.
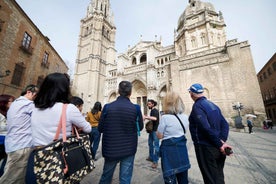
(201, 53)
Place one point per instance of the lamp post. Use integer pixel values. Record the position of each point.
(238, 120)
(7, 74)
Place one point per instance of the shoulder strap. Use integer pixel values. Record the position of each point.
(180, 123)
(137, 119)
(62, 124)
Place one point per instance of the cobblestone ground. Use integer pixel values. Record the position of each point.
(253, 162)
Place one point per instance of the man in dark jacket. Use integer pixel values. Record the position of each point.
(120, 139)
(209, 131)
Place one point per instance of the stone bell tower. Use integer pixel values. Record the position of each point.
(200, 28)
(96, 51)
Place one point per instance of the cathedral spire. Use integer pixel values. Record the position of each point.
(99, 6)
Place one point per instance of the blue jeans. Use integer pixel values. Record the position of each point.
(95, 137)
(126, 169)
(153, 143)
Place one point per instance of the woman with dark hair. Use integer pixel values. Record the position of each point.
(5, 102)
(53, 93)
(93, 118)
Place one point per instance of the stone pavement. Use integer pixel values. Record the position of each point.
(253, 162)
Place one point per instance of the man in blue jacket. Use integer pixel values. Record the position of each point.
(120, 139)
(209, 131)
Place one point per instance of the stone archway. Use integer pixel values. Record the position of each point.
(139, 95)
(112, 97)
(162, 94)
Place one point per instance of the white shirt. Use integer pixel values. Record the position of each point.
(44, 123)
(170, 126)
(19, 134)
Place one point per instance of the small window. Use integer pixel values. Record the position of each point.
(193, 41)
(45, 58)
(269, 71)
(261, 79)
(274, 66)
(264, 74)
(143, 59)
(26, 40)
(1, 24)
(45, 61)
(203, 39)
(134, 61)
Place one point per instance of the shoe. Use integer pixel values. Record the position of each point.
(148, 159)
(154, 165)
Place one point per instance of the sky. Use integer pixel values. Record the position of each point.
(246, 20)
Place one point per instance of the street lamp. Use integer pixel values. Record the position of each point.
(238, 120)
(7, 74)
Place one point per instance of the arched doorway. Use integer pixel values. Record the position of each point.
(162, 94)
(112, 97)
(139, 95)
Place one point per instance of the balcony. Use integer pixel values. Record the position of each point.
(45, 64)
(27, 50)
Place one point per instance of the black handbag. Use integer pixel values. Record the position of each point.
(67, 160)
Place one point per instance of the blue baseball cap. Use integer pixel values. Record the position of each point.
(196, 88)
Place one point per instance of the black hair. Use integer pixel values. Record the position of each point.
(30, 87)
(4, 100)
(153, 102)
(125, 88)
(54, 88)
(77, 101)
(97, 107)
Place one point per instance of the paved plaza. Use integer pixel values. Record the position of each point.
(253, 162)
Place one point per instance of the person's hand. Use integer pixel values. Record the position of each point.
(145, 117)
(224, 147)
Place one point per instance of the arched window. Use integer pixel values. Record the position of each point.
(134, 61)
(143, 58)
(203, 39)
(158, 62)
(162, 61)
(193, 40)
(86, 31)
